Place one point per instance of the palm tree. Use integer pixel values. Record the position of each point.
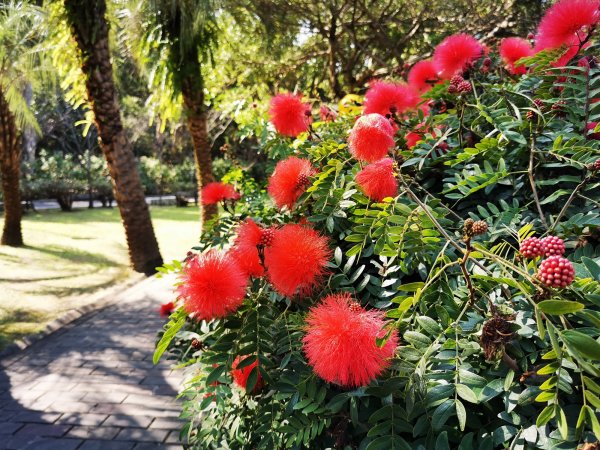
(20, 64)
(174, 38)
(87, 19)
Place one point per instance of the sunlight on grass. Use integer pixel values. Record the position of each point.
(69, 256)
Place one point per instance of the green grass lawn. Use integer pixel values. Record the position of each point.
(69, 255)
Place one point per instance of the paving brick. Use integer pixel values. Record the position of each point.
(9, 427)
(167, 424)
(94, 444)
(146, 446)
(122, 420)
(104, 432)
(35, 417)
(43, 430)
(142, 435)
(173, 437)
(104, 397)
(82, 419)
(53, 444)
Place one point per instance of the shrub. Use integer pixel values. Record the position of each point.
(497, 348)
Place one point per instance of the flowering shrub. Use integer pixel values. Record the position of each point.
(442, 295)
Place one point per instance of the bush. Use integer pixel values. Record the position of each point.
(498, 340)
(65, 177)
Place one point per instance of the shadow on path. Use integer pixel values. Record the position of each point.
(92, 384)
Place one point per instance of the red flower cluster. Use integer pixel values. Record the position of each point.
(423, 76)
(371, 138)
(389, 98)
(289, 114)
(166, 309)
(378, 180)
(217, 192)
(340, 342)
(245, 248)
(455, 53)
(289, 180)
(240, 376)
(513, 49)
(213, 285)
(296, 259)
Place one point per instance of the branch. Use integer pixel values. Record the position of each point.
(562, 212)
(532, 181)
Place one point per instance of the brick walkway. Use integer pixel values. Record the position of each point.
(92, 385)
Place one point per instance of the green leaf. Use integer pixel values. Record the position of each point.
(252, 379)
(593, 420)
(558, 307)
(441, 414)
(545, 416)
(177, 321)
(461, 413)
(215, 374)
(429, 325)
(466, 393)
(419, 340)
(592, 267)
(581, 344)
(561, 421)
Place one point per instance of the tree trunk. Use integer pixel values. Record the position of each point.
(334, 82)
(10, 162)
(90, 30)
(193, 98)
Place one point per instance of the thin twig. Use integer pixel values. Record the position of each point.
(532, 180)
(562, 212)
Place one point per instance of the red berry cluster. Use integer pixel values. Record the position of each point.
(540, 104)
(550, 245)
(459, 85)
(559, 106)
(267, 235)
(596, 165)
(531, 248)
(553, 245)
(556, 271)
(303, 180)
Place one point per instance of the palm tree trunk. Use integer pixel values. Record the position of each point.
(10, 165)
(90, 30)
(193, 99)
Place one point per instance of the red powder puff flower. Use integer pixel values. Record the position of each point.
(568, 22)
(289, 180)
(213, 285)
(289, 114)
(423, 76)
(327, 114)
(245, 251)
(371, 138)
(216, 192)
(340, 342)
(296, 259)
(389, 98)
(166, 309)
(377, 180)
(513, 49)
(240, 376)
(455, 53)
